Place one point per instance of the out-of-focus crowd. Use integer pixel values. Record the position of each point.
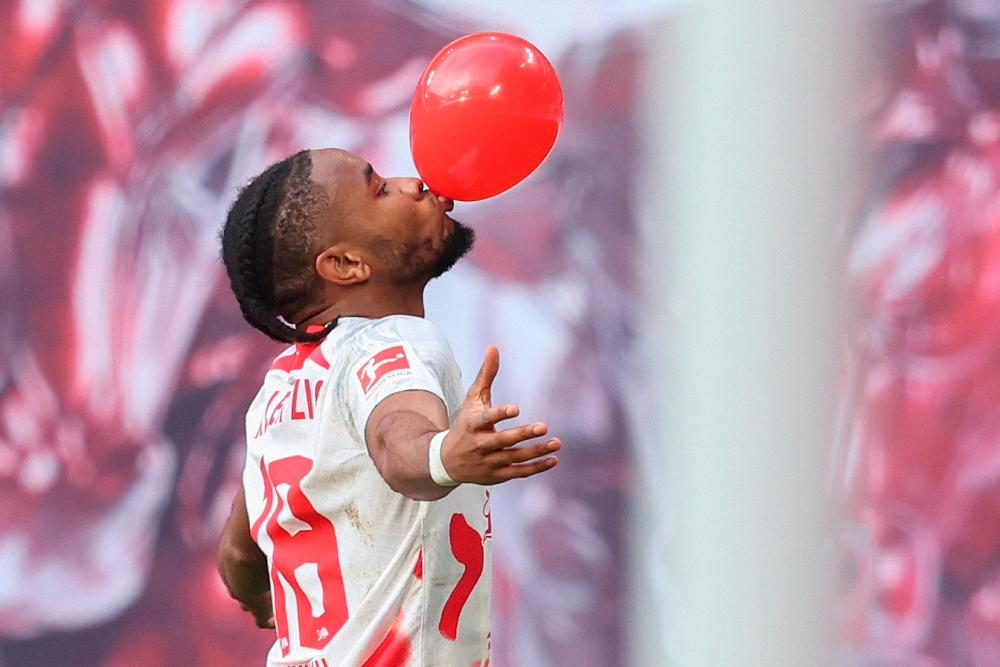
(918, 469)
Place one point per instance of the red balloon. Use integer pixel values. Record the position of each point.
(486, 112)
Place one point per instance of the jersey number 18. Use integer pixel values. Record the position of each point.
(307, 561)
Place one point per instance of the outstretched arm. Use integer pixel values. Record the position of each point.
(243, 565)
(400, 429)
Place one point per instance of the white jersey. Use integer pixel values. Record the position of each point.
(362, 575)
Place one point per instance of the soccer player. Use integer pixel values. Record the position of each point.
(362, 534)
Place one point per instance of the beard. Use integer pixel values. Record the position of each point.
(455, 248)
(421, 262)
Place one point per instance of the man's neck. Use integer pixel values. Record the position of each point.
(370, 303)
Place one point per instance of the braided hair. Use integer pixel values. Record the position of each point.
(269, 243)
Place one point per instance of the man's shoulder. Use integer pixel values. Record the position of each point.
(361, 340)
(403, 349)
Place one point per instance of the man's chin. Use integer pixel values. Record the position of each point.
(457, 244)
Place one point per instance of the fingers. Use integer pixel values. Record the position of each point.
(492, 416)
(511, 436)
(482, 386)
(526, 453)
(527, 469)
(490, 462)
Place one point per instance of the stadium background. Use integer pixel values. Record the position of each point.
(125, 367)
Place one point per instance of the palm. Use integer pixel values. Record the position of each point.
(482, 454)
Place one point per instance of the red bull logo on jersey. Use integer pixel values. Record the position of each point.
(381, 364)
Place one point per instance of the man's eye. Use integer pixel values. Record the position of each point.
(381, 190)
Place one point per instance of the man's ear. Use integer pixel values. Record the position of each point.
(342, 264)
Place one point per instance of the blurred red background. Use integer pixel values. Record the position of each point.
(125, 369)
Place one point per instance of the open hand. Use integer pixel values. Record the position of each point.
(475, 451)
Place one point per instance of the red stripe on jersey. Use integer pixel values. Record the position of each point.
(467, 548)
(394, 651)
(287, 362)
(418, 571)
(295, 360)
(319, 358)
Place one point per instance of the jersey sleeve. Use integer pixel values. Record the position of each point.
(399, 354)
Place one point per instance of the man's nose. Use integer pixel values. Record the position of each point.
(413, 187)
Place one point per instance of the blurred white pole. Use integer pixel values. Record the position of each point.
(740, 200)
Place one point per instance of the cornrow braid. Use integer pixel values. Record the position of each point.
(253, 245)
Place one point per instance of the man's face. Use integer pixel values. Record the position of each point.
(403, 227)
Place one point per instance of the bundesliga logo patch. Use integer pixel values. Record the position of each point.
(383, 362)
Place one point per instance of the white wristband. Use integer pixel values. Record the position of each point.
(436, 464)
